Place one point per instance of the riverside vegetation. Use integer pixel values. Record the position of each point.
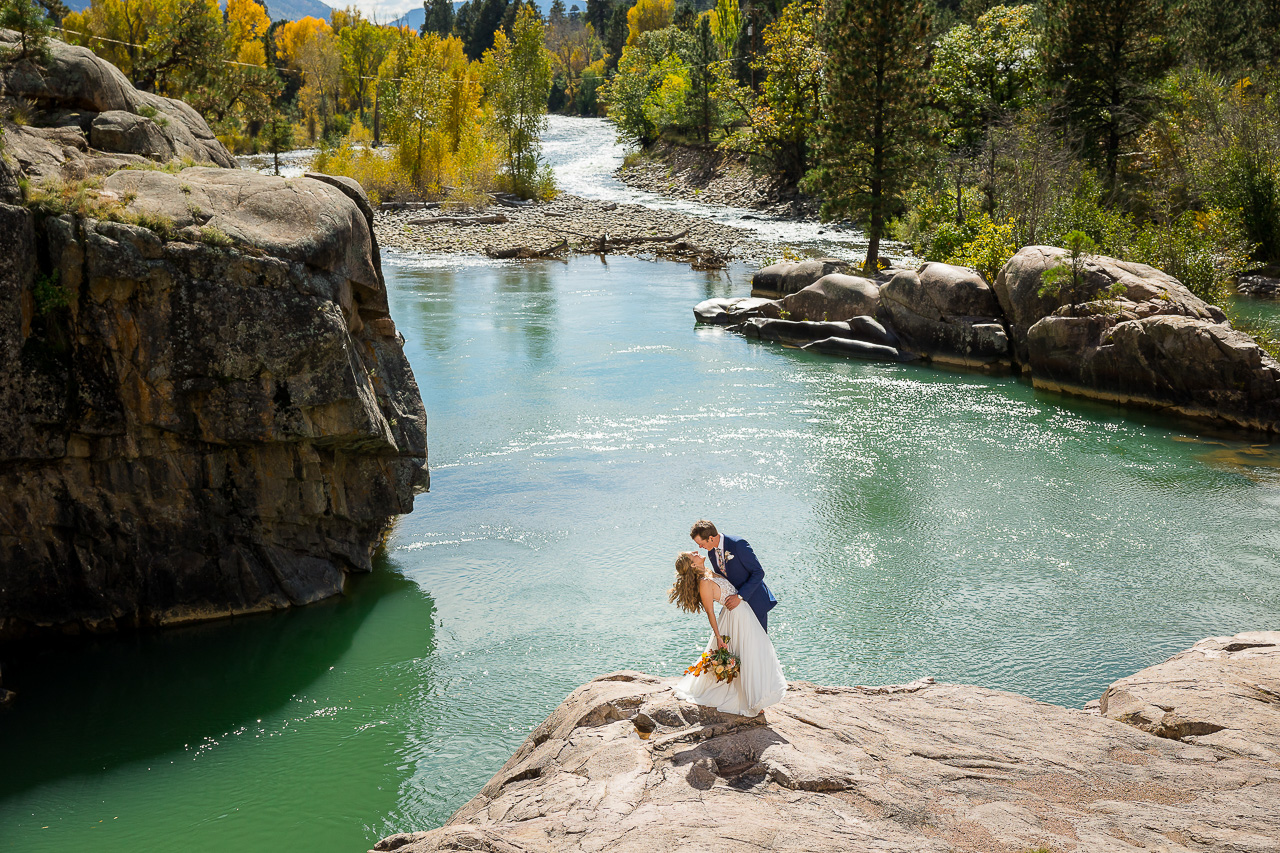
(964, 128)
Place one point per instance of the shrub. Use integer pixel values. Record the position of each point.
(1203, 250)
(989, 249)
(49, 294)
(381, 175)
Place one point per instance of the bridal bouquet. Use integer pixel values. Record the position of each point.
(720, 663)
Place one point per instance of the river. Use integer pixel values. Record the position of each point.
(912, 522)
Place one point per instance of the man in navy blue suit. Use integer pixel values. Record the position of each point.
(732, 558)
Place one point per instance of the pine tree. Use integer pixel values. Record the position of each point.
(437, 17)
(1103, 60)
(876, 111)
(702, 76)
(31, 24)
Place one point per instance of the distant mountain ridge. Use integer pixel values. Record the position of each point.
(414, 17)
(277, 10)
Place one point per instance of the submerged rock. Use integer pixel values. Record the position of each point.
(722, 312)
(851, 348)
(925, 766)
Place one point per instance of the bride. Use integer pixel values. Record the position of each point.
(761, 683)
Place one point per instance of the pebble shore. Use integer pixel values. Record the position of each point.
(580, 221)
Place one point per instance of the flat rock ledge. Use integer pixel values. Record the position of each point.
(920, 767)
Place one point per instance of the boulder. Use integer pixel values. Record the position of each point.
(196, 427)
(918, 767)
(1263, 282)
(1146, 291)
(1223, 692)
(125, 132)
(1183, 365)
(86, 102)
(947, 314)
(723, 312)
(792, 331)
(834, 297)
(784, 277)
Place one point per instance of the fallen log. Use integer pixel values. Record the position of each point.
(490, 219)
(525, 253)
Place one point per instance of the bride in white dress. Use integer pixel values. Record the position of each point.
(761, 683)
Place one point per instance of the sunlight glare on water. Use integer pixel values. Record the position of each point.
(912, 522)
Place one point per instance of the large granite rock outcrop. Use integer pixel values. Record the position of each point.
(947, 314)
(90, 120)
(922, 767)
(205, 407)
(212, 417)
(1154, 344)
(1147, 292)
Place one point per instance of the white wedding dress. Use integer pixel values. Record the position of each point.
(761, 683)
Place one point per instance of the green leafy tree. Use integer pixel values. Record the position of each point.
(1104, 60)
(517, 80)
(982, 75)
(876, 111)
(363, 46)
(781, 120)
(648, 93)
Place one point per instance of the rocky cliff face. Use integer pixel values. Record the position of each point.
(921, 767)
(205, 408)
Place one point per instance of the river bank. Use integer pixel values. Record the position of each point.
(580, 222)
(711, 176)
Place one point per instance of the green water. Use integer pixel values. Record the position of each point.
(912, 522)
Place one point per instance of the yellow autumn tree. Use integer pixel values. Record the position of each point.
(294, 35)
(649, 15)
(309, 47)
(247, 24)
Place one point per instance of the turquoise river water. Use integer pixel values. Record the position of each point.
(912, 522)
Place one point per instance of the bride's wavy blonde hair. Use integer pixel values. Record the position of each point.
(684, 592)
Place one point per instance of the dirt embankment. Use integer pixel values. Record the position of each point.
(709, 175)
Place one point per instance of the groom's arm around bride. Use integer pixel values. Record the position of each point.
(740, 566)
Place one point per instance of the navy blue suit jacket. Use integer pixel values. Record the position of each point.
(745, 573)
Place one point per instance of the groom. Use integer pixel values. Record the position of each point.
(733, 559)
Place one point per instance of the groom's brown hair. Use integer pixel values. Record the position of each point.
(703, 530)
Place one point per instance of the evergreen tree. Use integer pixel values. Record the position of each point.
(1104, 60)
(476, 23)
(1228, 39)
(29, 21)
(702, 76)
(876, 112)
(438, 17)
(556, 14)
